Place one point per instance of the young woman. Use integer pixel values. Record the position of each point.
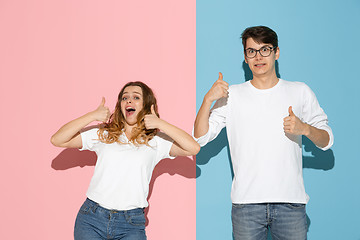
(128, 145)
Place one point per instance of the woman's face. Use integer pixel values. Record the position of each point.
(131, 104)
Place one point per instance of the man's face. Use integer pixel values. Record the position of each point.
(259, 65)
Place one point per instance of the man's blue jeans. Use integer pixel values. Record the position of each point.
(286, 221)
(95, 222)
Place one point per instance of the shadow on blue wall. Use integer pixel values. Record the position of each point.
(319, 160)
(212, 149)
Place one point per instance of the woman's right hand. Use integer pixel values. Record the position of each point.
(102, 113)
(68, 135)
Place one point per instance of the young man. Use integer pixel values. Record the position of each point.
(265, 119)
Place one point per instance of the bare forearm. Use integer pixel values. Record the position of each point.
(67, 135)
(218, 90)
(71, 129)
(293, 125)
(180, 137)
(318, 136)
(201, 125)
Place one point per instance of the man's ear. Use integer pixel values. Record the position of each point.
(277, 53)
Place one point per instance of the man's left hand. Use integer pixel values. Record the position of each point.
(293, 125)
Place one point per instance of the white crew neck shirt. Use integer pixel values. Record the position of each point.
(267, 163)
(123, 171)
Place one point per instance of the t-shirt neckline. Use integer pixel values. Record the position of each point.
(265, 90)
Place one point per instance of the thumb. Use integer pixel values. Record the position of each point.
(102, 101)
(291, 113)
(153, 110)
(220, 76)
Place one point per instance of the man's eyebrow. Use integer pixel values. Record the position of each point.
(266, 45)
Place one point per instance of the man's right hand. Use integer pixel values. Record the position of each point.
(218, 90)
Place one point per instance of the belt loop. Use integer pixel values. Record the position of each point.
(126, 214)
(95, 207)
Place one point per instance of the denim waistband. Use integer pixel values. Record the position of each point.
(94, 205)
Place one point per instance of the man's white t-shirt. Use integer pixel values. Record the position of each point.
(267, 162)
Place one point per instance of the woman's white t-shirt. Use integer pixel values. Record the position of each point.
(123, 171)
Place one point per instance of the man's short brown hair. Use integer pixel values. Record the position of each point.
(260, 34)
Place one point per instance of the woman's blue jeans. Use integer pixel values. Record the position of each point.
(95, 222)
(286, 221)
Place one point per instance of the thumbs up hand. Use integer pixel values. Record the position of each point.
(293, 125)
(218, 90)
(102, 113)
(152, 121)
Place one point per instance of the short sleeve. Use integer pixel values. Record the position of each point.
(163, 146)
(315, 116)
(89, 139)
(217, 121)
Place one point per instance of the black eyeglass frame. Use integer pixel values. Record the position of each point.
(256, 51)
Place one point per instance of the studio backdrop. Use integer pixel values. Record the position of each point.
(59, 58)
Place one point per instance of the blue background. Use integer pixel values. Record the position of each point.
(319, 45)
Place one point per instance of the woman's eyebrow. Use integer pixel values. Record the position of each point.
(132, 92)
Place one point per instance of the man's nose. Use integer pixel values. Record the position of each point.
(258, 55)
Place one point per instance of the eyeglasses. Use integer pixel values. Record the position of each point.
(265, 51)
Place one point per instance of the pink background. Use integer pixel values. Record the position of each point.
(57, 59)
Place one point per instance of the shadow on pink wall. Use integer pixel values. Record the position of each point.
(183, 166)
(72, 157)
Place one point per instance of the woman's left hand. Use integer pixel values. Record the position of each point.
(183, 145)
(152, 121)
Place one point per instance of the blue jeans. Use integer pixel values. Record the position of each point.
(95, 222)
(286, 221)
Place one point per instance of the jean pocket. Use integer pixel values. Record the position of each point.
(238, 206)
(137, 219)
(295, 205)
(86, 207)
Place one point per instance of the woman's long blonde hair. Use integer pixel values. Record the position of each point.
(111, 131)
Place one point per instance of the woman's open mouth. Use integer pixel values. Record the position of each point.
(130, 111)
